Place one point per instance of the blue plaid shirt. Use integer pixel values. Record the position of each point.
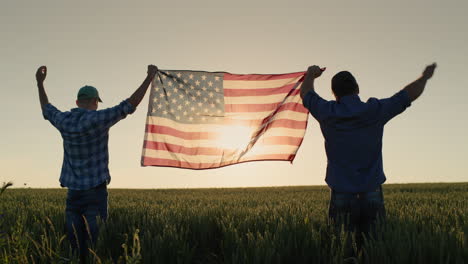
(353, 132)
(85, 136)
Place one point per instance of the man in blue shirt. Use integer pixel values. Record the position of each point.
(85, 172)
(353, 132)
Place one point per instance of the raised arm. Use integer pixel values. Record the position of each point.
(41, 74)
(416, 88)
(313, 72)
(140, 92)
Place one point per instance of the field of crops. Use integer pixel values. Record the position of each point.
(426, 223)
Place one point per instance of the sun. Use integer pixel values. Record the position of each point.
(234, 137)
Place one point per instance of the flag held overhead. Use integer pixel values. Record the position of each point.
(202, 120)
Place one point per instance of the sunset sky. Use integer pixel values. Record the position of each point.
(108, 44)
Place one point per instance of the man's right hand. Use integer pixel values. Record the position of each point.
(314, 71)
(429, 71)
(138, 95)
(308, 84)
(152, 70)
(41, 74)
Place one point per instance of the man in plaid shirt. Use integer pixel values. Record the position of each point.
(85, 172)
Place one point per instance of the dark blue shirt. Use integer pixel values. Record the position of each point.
(353, 132)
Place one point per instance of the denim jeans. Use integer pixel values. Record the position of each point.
(357, 212)
(82, 210)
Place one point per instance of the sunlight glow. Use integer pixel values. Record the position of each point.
(234, 137)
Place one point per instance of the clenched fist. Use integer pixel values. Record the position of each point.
(429, 71)
(314, 71)
(152, 70)
(41, 74)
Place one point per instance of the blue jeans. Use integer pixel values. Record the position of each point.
(357, 212)
(85, 205)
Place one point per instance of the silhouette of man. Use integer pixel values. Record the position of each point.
(353, 132)
(85, 172)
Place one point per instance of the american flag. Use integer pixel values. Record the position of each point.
(202, 120)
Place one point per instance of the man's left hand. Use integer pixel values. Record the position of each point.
(314, 71)
(152, 70)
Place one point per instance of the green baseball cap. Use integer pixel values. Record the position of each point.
(87, 92)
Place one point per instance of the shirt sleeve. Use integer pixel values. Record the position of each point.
(51, 113)
(110, 116)
(317, 106)
(393, 106)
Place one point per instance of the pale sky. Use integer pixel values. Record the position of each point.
(108, 44)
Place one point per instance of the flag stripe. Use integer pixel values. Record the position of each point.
(280, 121)
(259, 92)
(265, 99)
(218, 142)
(184, 150)
(207, 139)
(243, 108)
(148, 161)
(181, 134)
(227, 155)
(278, 114)
(216, 151)
(154, 122)
(242, 118)
(262, 77)
(282, 140)
(227, 84)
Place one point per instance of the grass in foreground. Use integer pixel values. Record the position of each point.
(427, 223)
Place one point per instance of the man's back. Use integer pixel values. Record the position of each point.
(85, 136)
(85, 160)
(353, 133)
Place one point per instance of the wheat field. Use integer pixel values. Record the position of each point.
(426, 223)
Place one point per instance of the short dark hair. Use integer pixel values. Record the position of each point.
(344, 83)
